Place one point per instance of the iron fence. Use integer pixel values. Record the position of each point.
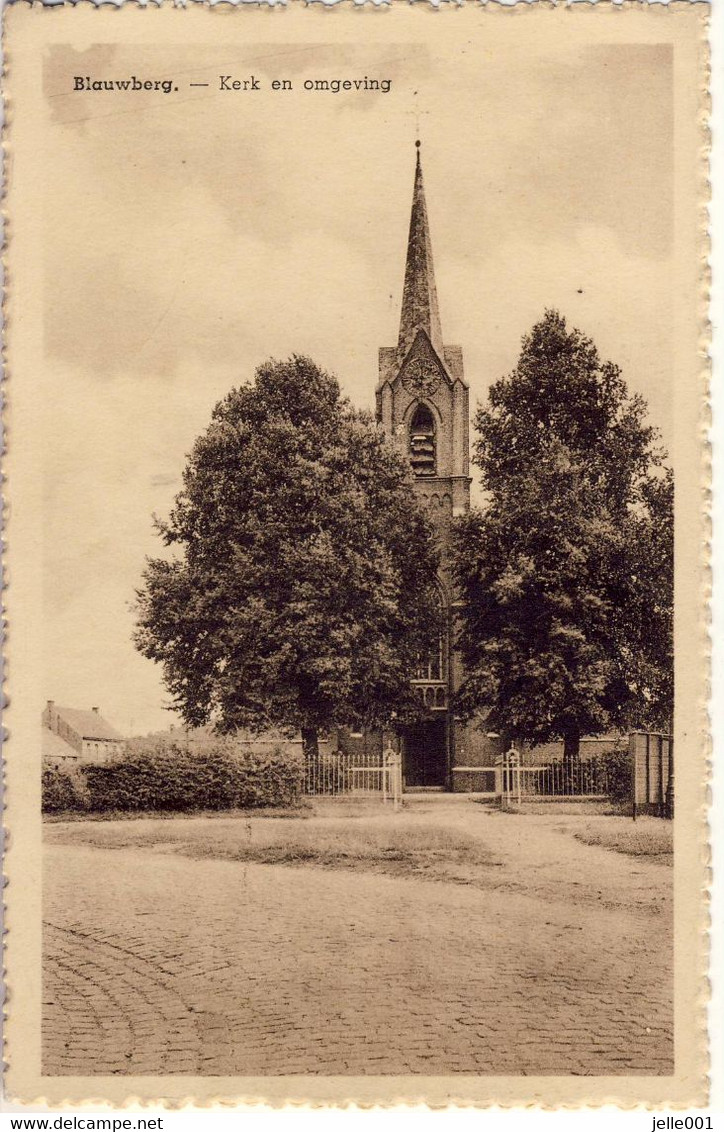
(514, 781)
(563, 780)
(339, 773)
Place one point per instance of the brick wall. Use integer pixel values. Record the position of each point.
(553, 752)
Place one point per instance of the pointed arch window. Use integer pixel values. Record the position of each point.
(422, 442)
(432, 667)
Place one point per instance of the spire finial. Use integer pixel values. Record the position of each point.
(419, 296)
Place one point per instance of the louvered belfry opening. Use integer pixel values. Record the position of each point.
(422, 442)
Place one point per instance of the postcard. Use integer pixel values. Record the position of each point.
(356, 474)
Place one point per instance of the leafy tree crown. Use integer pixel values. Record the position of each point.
(566, 574)
(301, 584)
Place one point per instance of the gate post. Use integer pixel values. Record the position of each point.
(513, 766)
(392, 776)
(507, 776)
(397, 780)
(632, 757)
(499, 777)
(669, 811)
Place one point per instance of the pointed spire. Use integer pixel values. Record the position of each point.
(419, 297)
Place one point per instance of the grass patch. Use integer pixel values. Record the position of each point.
(647, 837)
(301, 809)
(368, 843)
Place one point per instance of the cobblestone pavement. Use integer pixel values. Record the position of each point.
(160, 964)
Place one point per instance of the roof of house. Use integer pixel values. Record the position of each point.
(54, 748)
(88, 724)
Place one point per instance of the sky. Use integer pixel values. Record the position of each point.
(190, 236)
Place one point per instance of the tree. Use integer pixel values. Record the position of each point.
(566, 574)
(303, 587)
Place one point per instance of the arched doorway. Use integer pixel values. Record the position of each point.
(424, 753)
(425, 743)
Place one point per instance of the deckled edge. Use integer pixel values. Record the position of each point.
(4, 994)
(437, 4)
(416, 1099)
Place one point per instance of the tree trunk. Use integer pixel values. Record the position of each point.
(572, 750)
(310, 744)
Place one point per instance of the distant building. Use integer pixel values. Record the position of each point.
(71, 735)
(198, 739)
(56, 752)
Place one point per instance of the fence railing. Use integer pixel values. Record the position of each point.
(561, 780)
(513, 782)
(339, 773)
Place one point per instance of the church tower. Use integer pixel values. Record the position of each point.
(423, 407)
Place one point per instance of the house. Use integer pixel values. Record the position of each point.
(74, 736)
(56, 752)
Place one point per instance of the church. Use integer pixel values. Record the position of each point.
(423, 408)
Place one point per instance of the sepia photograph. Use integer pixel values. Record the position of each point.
(355, 427)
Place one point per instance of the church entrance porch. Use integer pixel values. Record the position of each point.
(424, 754)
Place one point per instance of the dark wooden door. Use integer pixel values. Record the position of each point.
(424, 754)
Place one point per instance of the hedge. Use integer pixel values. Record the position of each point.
(174, 778)
(619, 769)
(64, 788)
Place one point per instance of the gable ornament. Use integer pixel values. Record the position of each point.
(421, 377)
